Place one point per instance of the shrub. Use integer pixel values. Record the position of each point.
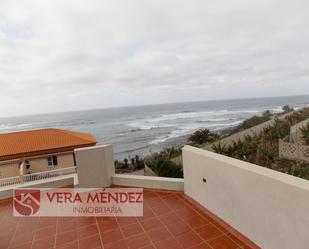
(280, 129)
(287, 108)
(162, 165)
(203, 136)
(120, 164)
(298, 169)
(253, 121)
(220, 149)
(305, 134)
(135, 163)
(139, 163)
(262, 149)
(266, 113)
(171, 152)
(166, 168)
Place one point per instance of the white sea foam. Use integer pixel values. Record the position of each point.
(4, 127)
(213, 120)
(216, 119)
(146, 125)
(276, 109)
(24, 125)
(14, 126)
(174, 119)
(188, 129)
(186, 115)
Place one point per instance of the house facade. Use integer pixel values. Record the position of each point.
(34, 151)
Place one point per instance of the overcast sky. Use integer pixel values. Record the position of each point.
(67, 55)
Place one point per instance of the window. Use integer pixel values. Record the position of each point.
(27, 164)
(52, 161)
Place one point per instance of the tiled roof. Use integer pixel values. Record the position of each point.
(44, 141)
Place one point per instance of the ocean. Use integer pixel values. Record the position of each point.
(145, 129)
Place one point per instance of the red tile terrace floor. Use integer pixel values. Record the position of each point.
(171, 221)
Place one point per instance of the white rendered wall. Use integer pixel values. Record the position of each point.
(269, 207)
(95, 166)
(153, 182)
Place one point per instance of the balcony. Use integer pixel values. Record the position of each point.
(220, 203)
(171, 220)
(36, 178)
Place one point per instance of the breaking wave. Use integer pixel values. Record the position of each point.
(186, 130)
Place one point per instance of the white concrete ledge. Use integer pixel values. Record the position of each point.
(152, 182)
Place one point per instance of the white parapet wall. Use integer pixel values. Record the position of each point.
(295, 132)
(269, 207)
(95, 166)
(152, 182)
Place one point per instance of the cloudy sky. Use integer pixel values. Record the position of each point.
(68, 54)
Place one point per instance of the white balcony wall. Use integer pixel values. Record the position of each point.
(55, 182)
(95, 166)
(269, 207)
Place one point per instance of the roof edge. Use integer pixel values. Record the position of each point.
(44, 152)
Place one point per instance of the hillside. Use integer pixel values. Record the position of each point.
(263, 148)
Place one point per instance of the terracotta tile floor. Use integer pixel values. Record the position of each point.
(170, 221)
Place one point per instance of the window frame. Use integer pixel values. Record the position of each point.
(52, 161)
(27, 164)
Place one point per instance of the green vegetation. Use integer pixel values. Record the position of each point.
(171, 152)
(162, 165)
(287, 108)
(159, 162)
(203, 136)
(259, 149)
(305, 134)
(136, 163)
(294, 168)
(256, 120)
(253, 121)
(298, 169)
(262, 149)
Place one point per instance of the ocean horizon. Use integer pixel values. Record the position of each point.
(145, 129)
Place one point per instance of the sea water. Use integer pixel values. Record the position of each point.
(146, 129)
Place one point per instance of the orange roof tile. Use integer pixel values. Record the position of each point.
(181, 223)
(44, 141)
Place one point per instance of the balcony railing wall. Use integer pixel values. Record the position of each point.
(16, 180)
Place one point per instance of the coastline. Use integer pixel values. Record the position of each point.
(146, 129)
(256, 140)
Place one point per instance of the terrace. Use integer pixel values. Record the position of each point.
(170, 220)
(220, 203)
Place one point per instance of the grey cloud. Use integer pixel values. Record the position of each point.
(75, 54)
